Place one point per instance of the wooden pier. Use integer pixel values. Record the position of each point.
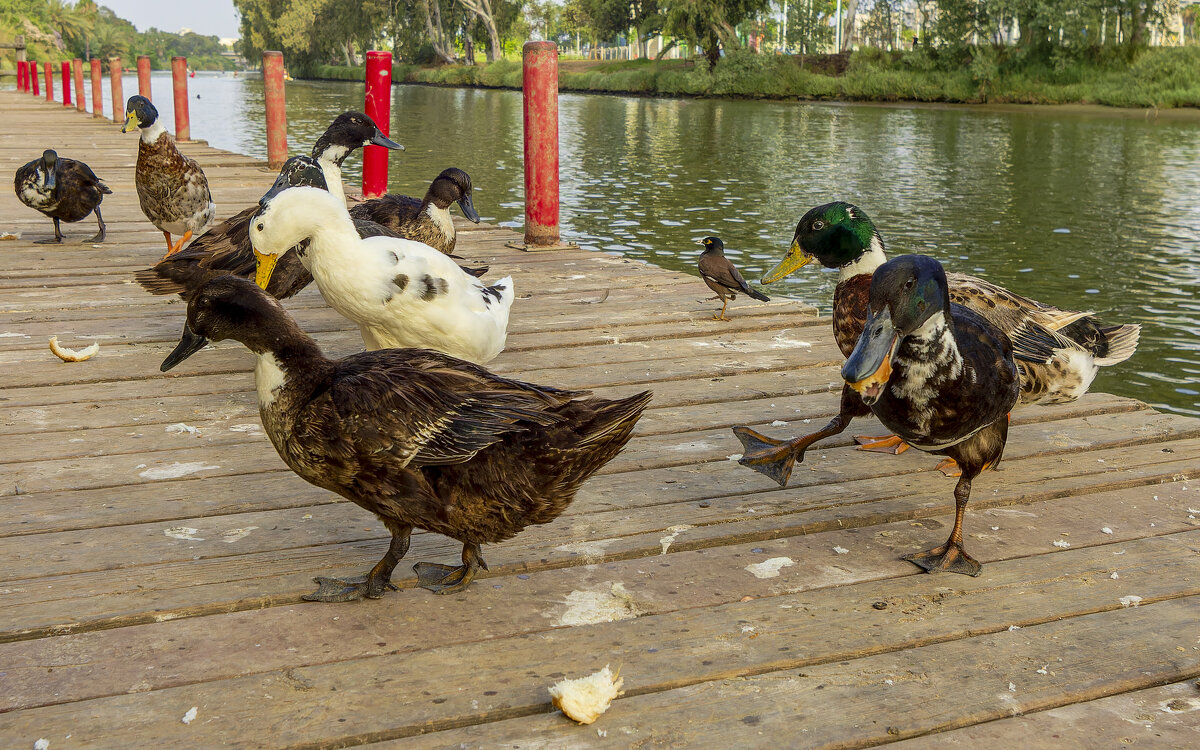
(153, 547)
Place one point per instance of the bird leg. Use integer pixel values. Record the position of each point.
(448, 579)
(949, 467)
(721, 315)
(950, 556)
(372, 585)
(101, 234)
(881, 444)
(58, 237)
(172, 249)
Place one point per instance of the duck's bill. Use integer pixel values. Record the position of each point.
(189, 344)
(266, 266)
(379, 139)
(792, 262)
(870, 364)
(130, 122)
(281, 184)
(468, 209)
(51, 179)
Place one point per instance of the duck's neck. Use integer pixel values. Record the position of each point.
(279, 362)
(151, 133)
(330, 162)
(440, 217)
(871, 258)
(930, 352)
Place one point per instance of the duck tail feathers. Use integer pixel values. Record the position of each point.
(1122, 343)
(615, 415)
(155, 283)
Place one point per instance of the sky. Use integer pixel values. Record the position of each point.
(211, 17)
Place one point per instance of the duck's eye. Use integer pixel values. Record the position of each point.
(260, 226)
(907, 285)
(818, 225)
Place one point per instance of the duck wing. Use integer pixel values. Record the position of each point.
(1004, 309)
(392, 211)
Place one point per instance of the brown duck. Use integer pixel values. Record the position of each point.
(419, 438)
(721, 276)
(428, 219)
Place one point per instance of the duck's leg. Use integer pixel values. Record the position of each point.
(169, 243)
(950, 556)
(57, 236)
(881, 444)
(373, 584)
(103, 229)
(172, 249)
(775, 458)
(448, 579)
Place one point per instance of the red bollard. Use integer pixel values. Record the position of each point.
(179, 75)
(378, 108)
(49, 81)
(97, 89)
(66, 83)
(118, 95)
(276, 109)
(33, 78)
(20, 76)
(540, 86)
(77, 69)
(143, 66)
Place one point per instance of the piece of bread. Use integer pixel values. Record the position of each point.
(585, 698)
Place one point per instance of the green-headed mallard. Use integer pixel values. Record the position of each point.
(62, 189)
(427, 219)
(420, 439)
(721, 276)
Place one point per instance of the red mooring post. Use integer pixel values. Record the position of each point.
(143, 66)
(276, 108)
(378, 108)
(20, 76)
(49, 81)
(66, 83)
(77, 69)
(97, 89)
(33, 77)
(540, 86)
(179, 76)
(118, 92)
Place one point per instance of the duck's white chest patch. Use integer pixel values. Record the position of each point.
(269, 377)
(441, 219)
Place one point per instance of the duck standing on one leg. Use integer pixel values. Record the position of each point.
(721, 276)
(424, 220)
(62, 189)
(1058, 352)
(420, 439)
(171, 187)
(938, 375)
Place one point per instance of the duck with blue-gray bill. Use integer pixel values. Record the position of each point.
(721, 276)
(63, 190)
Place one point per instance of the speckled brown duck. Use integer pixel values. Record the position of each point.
(63, 190)
(420, 439)
(722, 276)
(427, 219)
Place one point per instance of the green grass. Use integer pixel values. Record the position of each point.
(1162, 77)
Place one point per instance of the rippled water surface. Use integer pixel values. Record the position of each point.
(1085, 210)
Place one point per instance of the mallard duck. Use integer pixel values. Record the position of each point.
(171, 187)
(62, 189)
(420, 439)
(226, 248)
(840, 235)
(426, 220)
(401, 293)
(939, 375)
(721, 276)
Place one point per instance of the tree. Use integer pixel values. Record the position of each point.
(710, 24)
(482, 9)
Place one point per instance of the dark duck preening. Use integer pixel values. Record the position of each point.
(428, 219)
(938, 375)
(841, 236)
(420, 439)
(721, 276)
(171, 187)
(62, 189)
(225, 248)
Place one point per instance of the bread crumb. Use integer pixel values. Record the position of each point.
(585, 698)
(73, 355)
(190, 715)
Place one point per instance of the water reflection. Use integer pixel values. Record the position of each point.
(1091, 212)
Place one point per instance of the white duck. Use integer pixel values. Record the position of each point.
(401, 293)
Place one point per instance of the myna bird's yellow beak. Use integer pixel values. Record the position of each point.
(264, 269)
(794, 260)
(130, 122)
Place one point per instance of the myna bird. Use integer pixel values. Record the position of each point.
(721, 276)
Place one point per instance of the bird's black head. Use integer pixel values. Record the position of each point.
(712, 245)
(49, 159)
(228, 307)
(139, 112)
(912, 288)
(297, 171)
(349, 131)
(453, 185)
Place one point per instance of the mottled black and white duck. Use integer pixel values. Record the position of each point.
(63, 190)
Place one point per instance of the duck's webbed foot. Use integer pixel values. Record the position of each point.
(881, 444)
(56, 240)
(101, 233)
(448, 579)
(348, 589)
(950, 558)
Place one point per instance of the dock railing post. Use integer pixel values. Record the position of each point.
(49, 81)
(540, 93)
(183, 126)
(143, 67)
(118, 90)
(77, 68)
(276, 108)
(20, 76)
(66, 83)
(34, 86)
(378, 107)
(97, 89)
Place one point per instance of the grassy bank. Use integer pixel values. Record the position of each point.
(1162, 77)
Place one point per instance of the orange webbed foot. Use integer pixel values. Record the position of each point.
(881, 444)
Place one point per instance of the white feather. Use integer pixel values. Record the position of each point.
(269, 377)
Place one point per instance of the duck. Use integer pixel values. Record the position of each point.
(401, 293)
(226, 248)
(1058, 351)
(721, 276)
(939, 375)
(427, 219)
(63, 190)
(419, 438)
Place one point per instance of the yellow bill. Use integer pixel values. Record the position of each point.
(793, 261)
(130, 122)
(264, 269)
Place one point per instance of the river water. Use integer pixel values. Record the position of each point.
(1086, 210)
